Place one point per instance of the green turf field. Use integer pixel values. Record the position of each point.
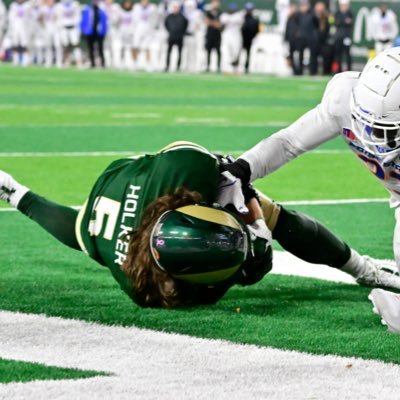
(48, 116)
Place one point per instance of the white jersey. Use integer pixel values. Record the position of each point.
(195, 20)
(127, 28)
(385, 27)
(331, 118)
(232, 23)
(145, 17)
(19, 22)
(3, 19)
(114, 15)
(70, 14)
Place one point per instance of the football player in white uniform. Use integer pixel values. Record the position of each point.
(127, 29)
(193, 40)
(50, 18)
(19, 19)
(70, 17)
(232, 36)
(113, 43)
(385, 27)
(145, 16)
(364, 109)
(3, 21)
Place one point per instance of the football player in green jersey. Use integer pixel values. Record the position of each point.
(154, 222)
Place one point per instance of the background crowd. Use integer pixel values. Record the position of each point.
(46, 32)
(143, 34)
(328, 36)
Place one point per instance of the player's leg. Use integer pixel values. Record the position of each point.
(58, 220)
(311, 241)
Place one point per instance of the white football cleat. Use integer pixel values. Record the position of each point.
(10, 190)
(387, 305)
(379, 273)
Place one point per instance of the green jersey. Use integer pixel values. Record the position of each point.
(124, 190)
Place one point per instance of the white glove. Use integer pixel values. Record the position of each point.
(230, 192)
(260, 229)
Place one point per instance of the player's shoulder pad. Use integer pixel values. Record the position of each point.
(338, 91)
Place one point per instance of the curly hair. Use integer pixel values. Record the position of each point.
(153, 287)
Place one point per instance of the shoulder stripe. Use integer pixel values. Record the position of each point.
(78, 224)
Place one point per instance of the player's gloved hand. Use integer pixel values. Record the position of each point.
(240, 169)
(259, 261)
(260, 229)
(230, 192)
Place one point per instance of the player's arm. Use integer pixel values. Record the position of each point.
(311, 130)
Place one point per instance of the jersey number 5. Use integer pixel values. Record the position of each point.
(105, 213)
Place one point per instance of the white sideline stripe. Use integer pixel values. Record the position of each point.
(293, 203)
(124, 153)
(157, 365)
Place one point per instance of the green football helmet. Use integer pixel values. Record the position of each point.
(199, 244)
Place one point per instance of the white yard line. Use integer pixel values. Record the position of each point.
(152, 365)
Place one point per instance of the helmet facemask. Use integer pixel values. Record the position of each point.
(375, 104)
(379, 138)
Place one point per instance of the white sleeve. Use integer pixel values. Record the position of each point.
(312, 129)
(396, 238)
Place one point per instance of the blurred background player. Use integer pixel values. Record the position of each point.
(19, 19)
(3, 23)
(232, 21)
(145, 17)
(113, 42)
(282, 8)
(36, 33)
(344, 22)
(250, 28)
(385, 27)
(50, 19)
(213, 33)
(176, 25)
(70, 17)
(194, 33)
(127, 32)
(94, 28)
